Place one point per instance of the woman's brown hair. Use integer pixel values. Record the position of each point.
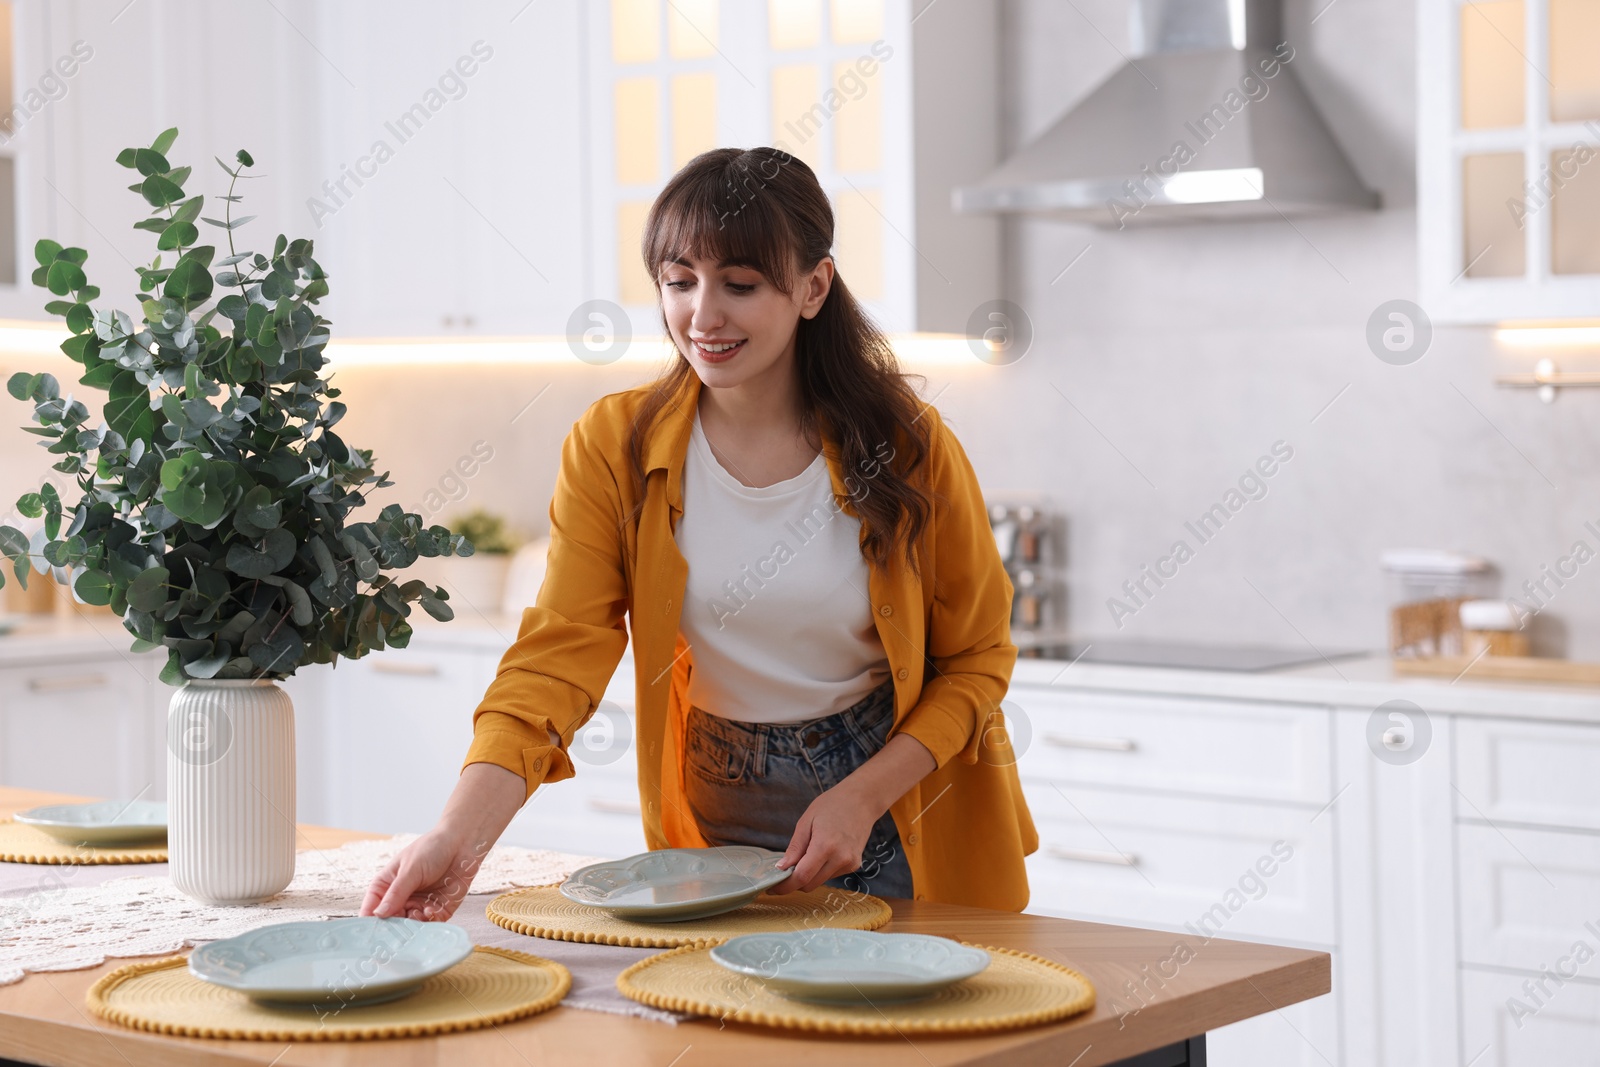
(764, 207)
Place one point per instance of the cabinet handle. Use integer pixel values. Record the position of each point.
(415, 670)
(1089, 855)
(613, 807)
(71, 681)
(1097, 744)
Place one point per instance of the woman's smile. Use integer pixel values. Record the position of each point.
(718, 350)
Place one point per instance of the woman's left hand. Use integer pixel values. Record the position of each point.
(829, 838)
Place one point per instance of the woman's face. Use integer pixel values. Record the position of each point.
(709, 307)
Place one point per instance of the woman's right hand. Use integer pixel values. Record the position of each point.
(428, 879)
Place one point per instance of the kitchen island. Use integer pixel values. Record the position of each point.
(1439, 838)
(43, 1019)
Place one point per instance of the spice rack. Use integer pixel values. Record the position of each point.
(1030, 534)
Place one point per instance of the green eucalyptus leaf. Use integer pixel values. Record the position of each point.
(80, 317)
(148, 592)
(279, 652)
(258, 512)
(189, 210)
(274, 552)
(127, 410)
(207, 665)
(190, 281)
(436, 607)
(178, 235)
(64, 276)
(150, 161)
(160, 191)
(94, 587)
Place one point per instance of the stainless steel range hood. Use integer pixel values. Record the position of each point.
(1208, 120)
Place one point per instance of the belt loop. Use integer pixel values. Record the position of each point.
(760, 756)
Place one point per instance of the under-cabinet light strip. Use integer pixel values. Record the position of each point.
(26, 339)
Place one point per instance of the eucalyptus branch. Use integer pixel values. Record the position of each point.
(255, 571)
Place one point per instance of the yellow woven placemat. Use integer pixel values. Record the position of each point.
(541, 911)
(20, 843)
(1016, 989)
(493, 985)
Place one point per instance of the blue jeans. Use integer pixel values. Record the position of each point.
(749, 783)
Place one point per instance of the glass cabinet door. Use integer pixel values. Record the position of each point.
(682, 77)
(1509, 159)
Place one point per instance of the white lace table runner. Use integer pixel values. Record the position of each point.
(53, 919)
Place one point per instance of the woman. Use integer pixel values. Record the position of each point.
(818, 611)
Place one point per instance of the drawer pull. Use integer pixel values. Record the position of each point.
(1096, 744)
(71, 681)
(613, 807)
(1089, 855)
(415, 670)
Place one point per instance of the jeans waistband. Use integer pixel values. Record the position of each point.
(861, 719)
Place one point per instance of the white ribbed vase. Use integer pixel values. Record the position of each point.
(230, 790)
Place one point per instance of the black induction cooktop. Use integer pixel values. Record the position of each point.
(1182, 655)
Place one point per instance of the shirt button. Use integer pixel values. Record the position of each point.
(650, 806)
(885, 609)
(922, 896)
(902, 673)
(913, 839)
(538, 764)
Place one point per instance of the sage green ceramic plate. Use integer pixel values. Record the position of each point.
(850, 966)
(103, 823)
(340, 963)
(675, 884)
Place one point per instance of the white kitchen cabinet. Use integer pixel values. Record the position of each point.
(1174, 744)
(1203, 867)
(1527, 895)
(226, 75)
(596, 812)
(398, 726)
(1505, 1025)
(1508, 137)
(42, 71)
(1205, 817)
(1307, 1034)
(1537, 773)
(82, 726)
(381, 740)
(452, 152)
(469, 219)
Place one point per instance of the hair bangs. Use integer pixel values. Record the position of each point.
(722, 216)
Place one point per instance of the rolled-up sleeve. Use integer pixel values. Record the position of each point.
(969, 646)
(569, 643)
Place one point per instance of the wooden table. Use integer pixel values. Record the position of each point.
(43, 1018)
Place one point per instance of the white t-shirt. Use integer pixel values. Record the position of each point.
(776, 611)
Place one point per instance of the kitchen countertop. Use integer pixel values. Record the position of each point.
(1362, 682)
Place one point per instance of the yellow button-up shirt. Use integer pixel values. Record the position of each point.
(965, 827)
